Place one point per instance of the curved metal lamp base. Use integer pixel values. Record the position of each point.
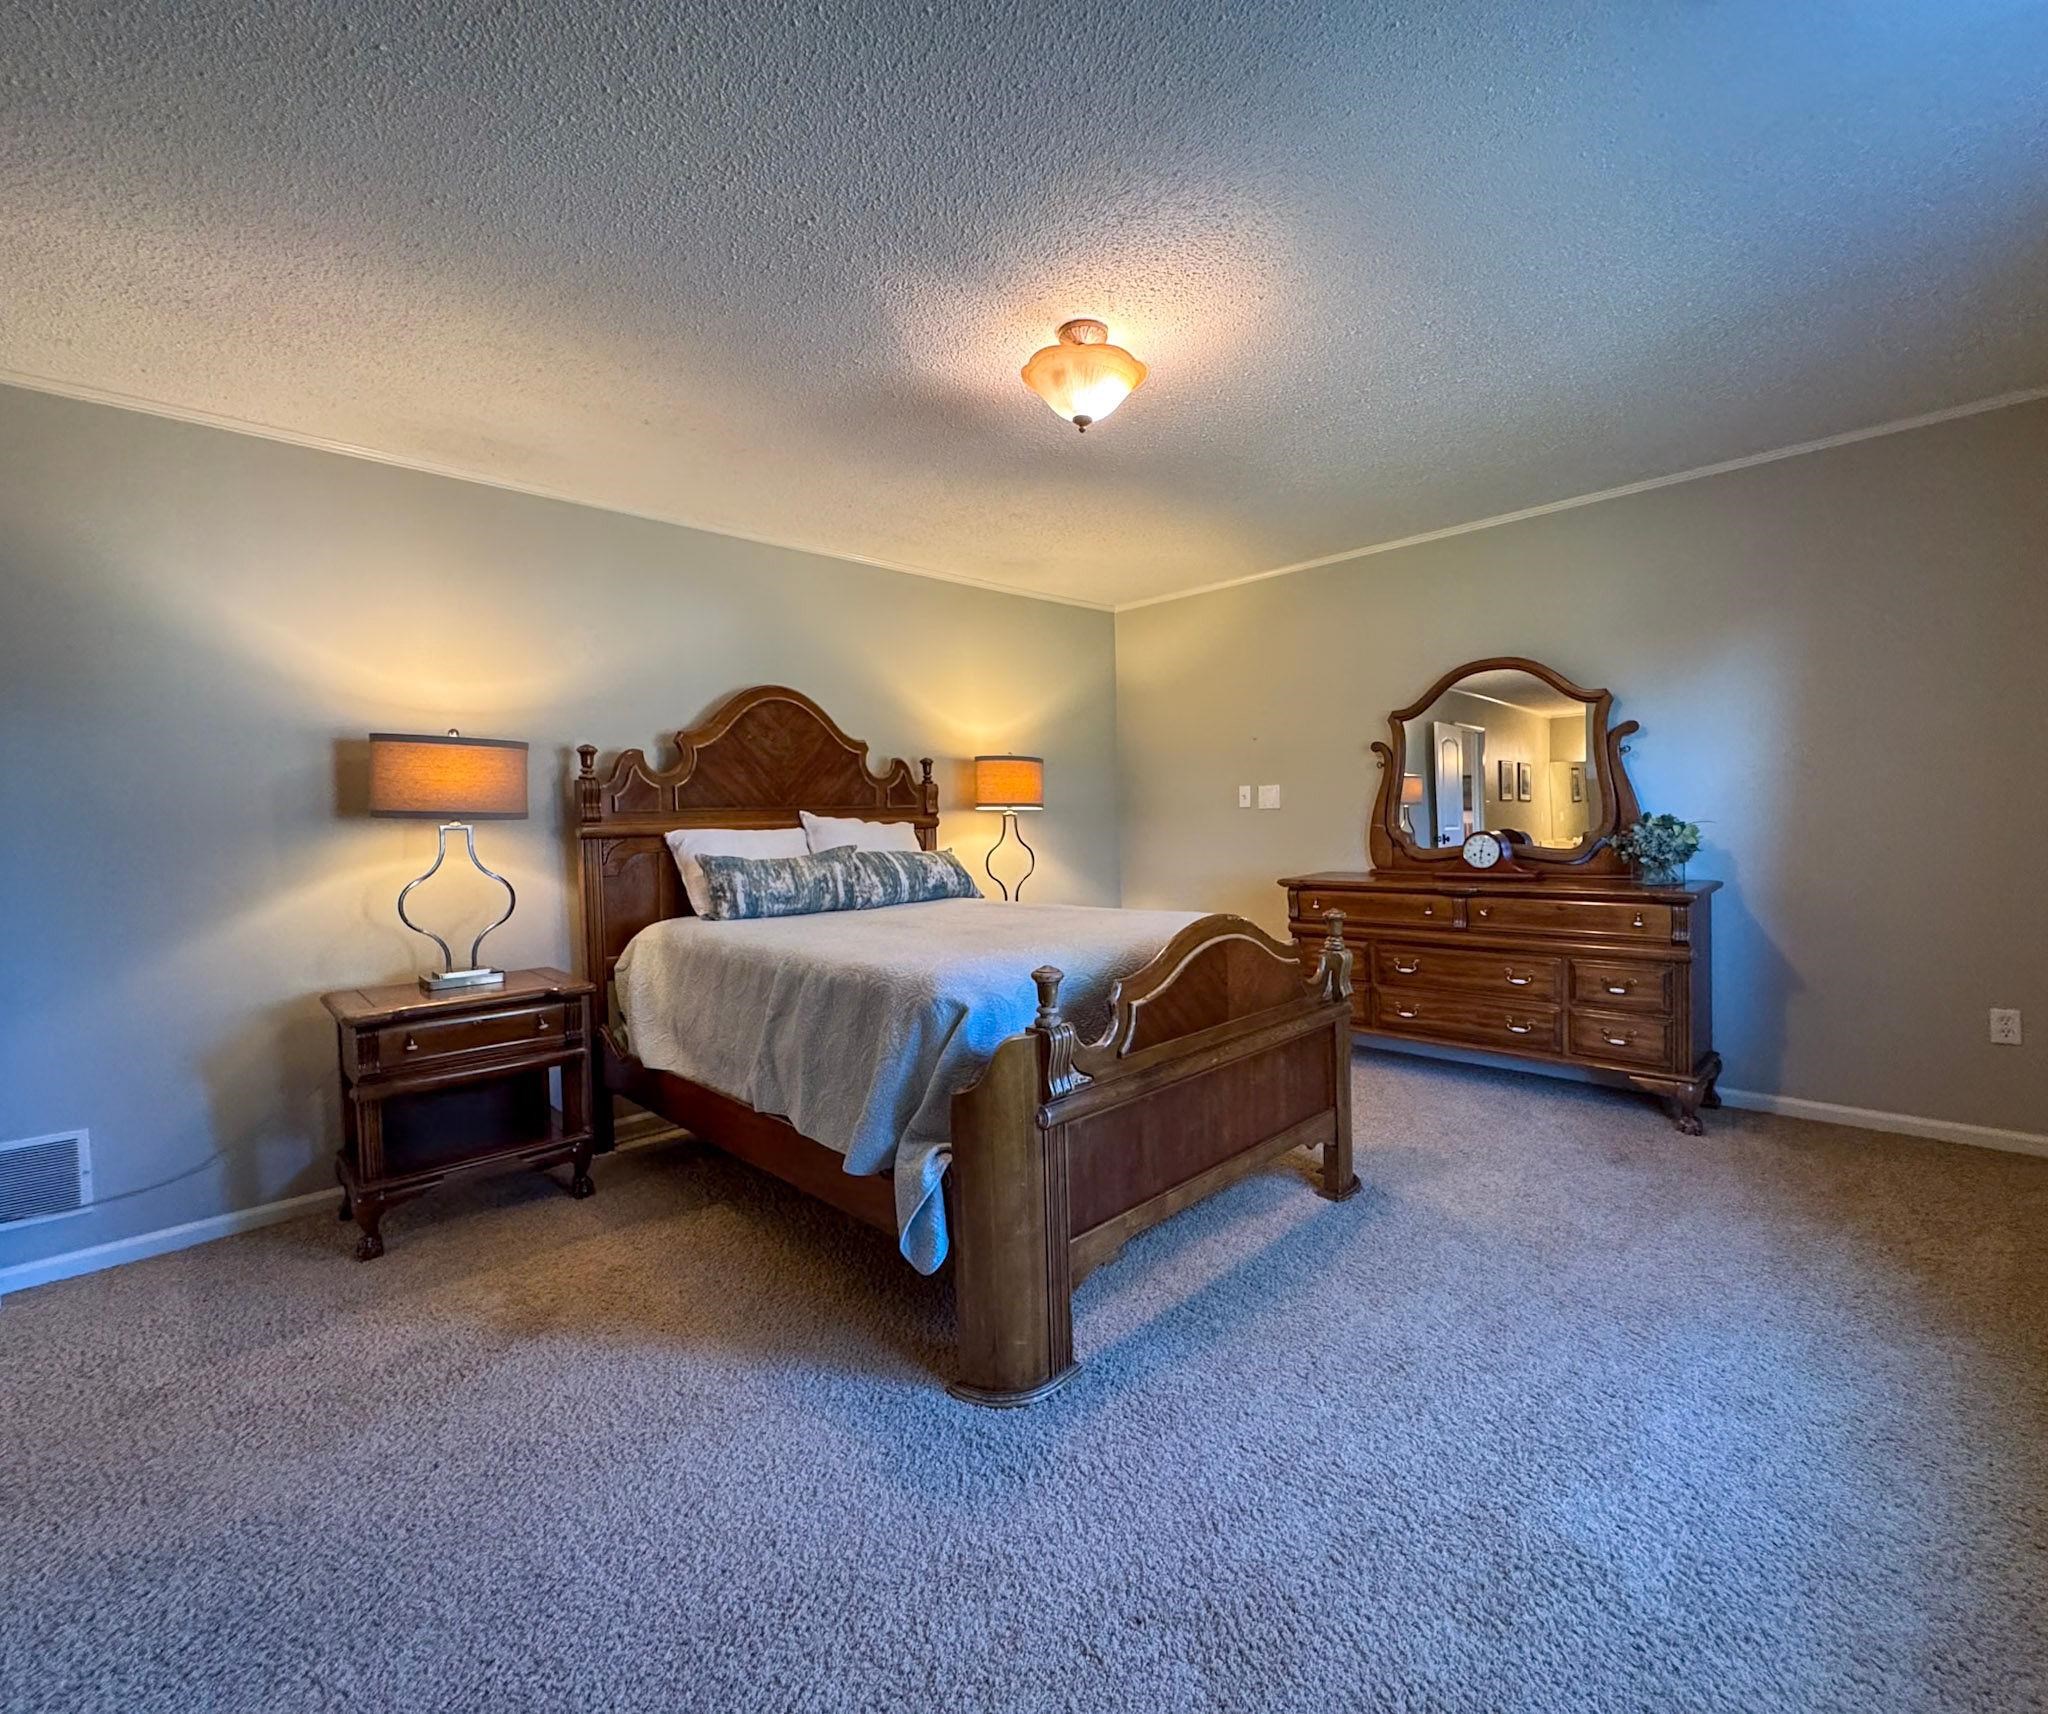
(476, 976)
(1010, 827)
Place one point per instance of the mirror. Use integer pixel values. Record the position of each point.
(1503, 745)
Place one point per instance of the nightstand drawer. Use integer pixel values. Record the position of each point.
(402, 1045)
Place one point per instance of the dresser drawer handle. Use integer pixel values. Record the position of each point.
(1621, 987)
(1407, 969)
(1429, 910)
(540, 1026)
(1485, 911)
(1515, 981)
(1617, 1041)
(1406, 1012)
(1638, 923)
(1520, 1029)
(411, 1046)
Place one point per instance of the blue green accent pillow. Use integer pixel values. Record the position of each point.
(908, 878)
(738, 887)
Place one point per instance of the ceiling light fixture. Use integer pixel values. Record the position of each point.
(1084, 377)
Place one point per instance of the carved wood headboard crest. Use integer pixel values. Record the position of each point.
(755, 760)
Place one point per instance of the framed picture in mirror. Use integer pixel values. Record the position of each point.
(1506, 770)
(1525, 783)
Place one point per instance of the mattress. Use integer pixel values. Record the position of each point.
(858, 1027)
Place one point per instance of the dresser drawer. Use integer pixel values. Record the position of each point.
(1508, 974)
(1648, 1042)
(1444, 1015)
(1423, 910)
(403, 1045)
(1623, 985)
(1628, 921)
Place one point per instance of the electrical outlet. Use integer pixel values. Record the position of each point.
(1244, 797)
(2005, 1026)
(1269, 797)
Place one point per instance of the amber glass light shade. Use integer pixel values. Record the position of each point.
(450, 778)
(1084, 377)
(1411, 788)
(1009, 782)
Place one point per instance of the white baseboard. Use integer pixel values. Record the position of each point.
(646, 1128)
(159, 1243)
(1901, 1124)
(635, 1132)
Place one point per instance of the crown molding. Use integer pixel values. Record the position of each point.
(426, 467)
(2024, 396)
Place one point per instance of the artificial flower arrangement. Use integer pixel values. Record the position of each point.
(1659, 846)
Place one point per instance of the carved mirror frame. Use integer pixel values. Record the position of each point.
(1594, 854)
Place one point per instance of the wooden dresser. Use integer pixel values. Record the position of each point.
(1600, 972)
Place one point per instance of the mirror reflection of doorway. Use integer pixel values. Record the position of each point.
(1459, 807)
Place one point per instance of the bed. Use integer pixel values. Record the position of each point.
(1066, 1110)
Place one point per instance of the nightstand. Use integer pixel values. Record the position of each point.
(438, 1084)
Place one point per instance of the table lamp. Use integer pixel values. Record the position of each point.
(1411, 795)
(1009, 786)
(454, 781)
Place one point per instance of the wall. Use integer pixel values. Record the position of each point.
(1838, 662)
(196, 630)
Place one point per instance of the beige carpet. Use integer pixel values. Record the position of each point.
(1567, 1412)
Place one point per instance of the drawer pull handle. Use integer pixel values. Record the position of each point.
(1429, 910)
(411, 1046)
(1621, 987)
(1616, 1041)
(1485, 911)
(1638, 923)
(1407, 969)
(1406, 1012)
(1520, 1029)
(540, 1026)
(1515, 981)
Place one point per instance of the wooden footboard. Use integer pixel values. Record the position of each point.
(1218, 1057)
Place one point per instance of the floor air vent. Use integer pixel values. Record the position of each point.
(42, 1177)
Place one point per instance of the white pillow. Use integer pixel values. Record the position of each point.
(826, 831)
(687, 844)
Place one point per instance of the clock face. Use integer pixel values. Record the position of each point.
(1482, 851)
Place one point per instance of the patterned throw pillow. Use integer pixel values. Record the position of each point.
(779, 886)
(908, 878)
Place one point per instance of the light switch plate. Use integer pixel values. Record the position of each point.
(1244, 797)
(1269, 797)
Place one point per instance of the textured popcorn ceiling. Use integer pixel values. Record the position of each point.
(771, 268)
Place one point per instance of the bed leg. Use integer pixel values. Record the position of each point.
(1333, 975)
(1011, 1280)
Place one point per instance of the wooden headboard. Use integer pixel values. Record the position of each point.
(755, 760)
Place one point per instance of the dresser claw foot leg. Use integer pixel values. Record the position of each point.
(1688, 1122)
(580, 1186)
(369, 1216)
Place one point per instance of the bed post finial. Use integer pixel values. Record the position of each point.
(1057, 1056)
(929, 793)
(586, 783)
(1333, 974)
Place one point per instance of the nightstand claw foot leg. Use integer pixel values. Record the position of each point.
(579, 1175)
